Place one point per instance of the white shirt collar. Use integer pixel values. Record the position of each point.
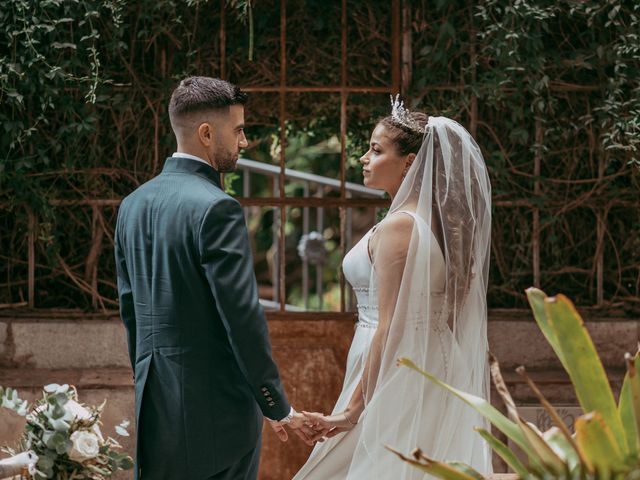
(191, 157)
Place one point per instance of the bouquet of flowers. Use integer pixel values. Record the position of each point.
(65, 436)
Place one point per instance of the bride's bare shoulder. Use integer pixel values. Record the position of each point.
(394, 232)
(397, 222)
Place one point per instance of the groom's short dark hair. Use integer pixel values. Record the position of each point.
(200, 94)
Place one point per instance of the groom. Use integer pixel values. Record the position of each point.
(198, 339)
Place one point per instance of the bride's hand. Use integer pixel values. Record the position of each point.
(330, 425)
(300, 426)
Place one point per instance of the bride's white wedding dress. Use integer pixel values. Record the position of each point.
(442, 333)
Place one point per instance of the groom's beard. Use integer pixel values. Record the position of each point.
(226, 161)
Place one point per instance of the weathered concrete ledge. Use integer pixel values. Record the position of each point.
(62, 343)
(101, 341)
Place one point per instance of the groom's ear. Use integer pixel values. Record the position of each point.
(205, 134)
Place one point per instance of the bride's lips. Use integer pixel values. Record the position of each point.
(365, 172)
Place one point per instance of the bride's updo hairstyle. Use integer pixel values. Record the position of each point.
(407, 139)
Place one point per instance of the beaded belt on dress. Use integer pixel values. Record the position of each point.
(416, 320)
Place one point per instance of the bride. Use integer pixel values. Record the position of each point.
(420, 277)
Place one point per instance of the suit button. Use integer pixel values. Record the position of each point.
(265, 389)
(269, 399)
(271, 404)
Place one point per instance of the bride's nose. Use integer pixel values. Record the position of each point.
(363, 159)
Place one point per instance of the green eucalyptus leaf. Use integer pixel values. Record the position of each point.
(51, 388)
(45, 462)
(126, 463)
(9, 399)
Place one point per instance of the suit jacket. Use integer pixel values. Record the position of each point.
(197, 336)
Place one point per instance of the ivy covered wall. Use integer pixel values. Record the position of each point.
(550, 89)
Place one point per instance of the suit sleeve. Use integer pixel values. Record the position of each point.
(125, 297)
(228, 266)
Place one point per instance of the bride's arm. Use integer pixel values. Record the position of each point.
(388, 248)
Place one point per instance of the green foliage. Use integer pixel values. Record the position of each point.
(9, 399)
(244, 10)
(605, 442)
(84, 86)
(49, 67)
(557, 80)
(603, 50)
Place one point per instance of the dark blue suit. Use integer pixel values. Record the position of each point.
(198, 339)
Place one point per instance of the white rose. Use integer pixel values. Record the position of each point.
(86, 445)
(81, 413)
(77, 410)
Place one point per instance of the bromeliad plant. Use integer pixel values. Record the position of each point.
(65, 436)
(606, 441)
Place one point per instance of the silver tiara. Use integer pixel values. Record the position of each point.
(401, 115)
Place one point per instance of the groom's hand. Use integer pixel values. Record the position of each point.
(298, 424)
(305, 431)
(280, 431)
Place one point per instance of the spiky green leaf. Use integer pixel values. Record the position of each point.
(629, 406)
(536, 300)
(437, 469)
(482, 406)
(597, 444)
(584, 365)
(504, 452)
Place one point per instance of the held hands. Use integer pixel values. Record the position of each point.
(298, 423)
(331, 425)
(314, 427)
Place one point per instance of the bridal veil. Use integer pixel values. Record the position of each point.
(434, 300)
